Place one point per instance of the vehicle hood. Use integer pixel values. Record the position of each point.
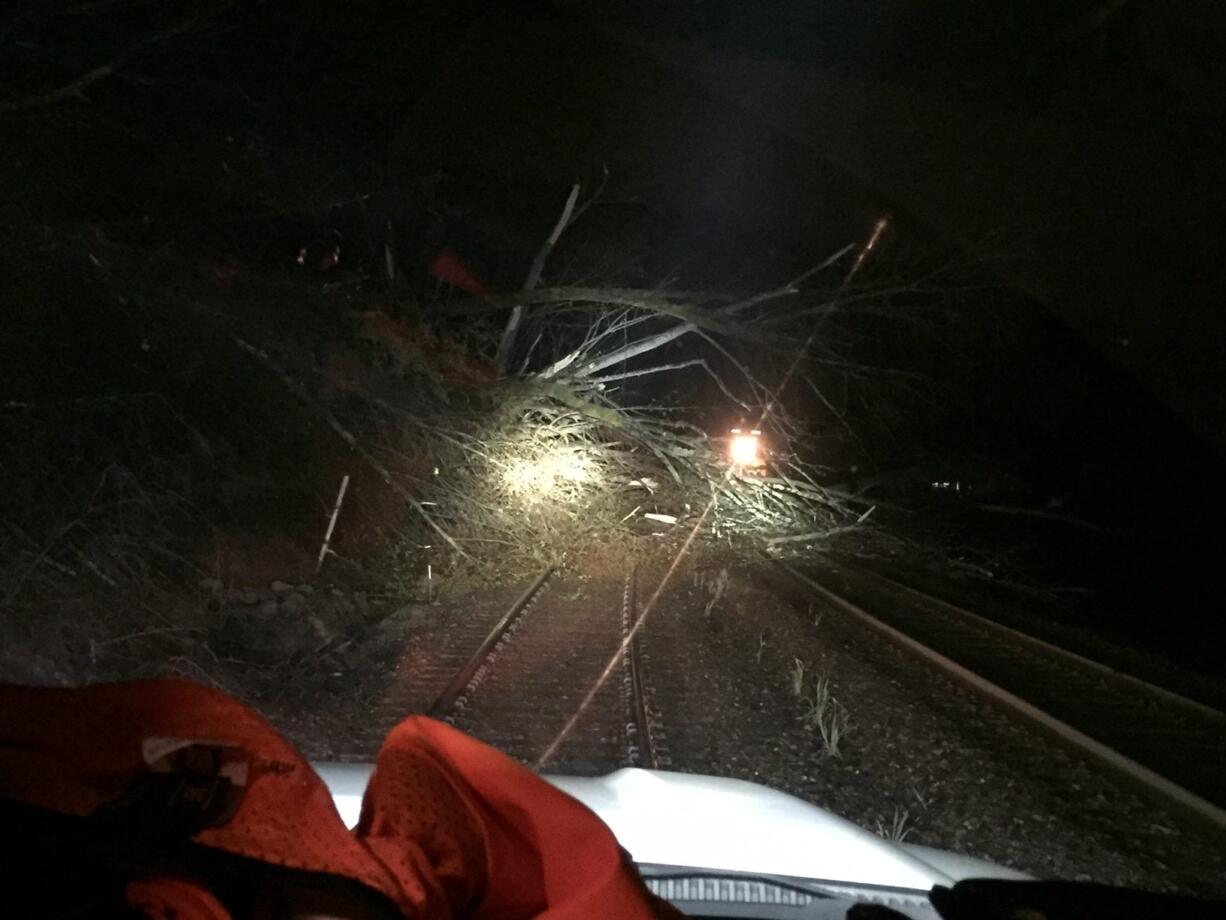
(718, 824)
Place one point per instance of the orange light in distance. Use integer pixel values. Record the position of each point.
(743, 448)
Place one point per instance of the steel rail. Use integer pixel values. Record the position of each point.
(465, 679)
(1041, 645)
(1142, 779)
(642, 743)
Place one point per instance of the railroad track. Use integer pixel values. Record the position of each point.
(543, 664)
(1167, 747)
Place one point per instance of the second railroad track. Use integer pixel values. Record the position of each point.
(1166, 747)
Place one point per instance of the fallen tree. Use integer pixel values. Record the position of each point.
(576, 448)
(579, 442)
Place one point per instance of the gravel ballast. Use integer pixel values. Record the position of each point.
(921, 757)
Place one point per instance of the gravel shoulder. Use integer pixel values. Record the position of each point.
(920, 756)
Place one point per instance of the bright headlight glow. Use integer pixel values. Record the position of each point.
(536, 477)
(743, 449)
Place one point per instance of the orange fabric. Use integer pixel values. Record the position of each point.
(449, 826)
(172, 899)
(448, 267)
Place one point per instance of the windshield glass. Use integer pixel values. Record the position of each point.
(814, 405)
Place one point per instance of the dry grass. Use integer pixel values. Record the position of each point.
(833, 727)
(796, 677)
(823, 713)
(898, 828)
(123, 534)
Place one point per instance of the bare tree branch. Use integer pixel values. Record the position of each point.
(593, 198)
(833, 411)
(584, 294)
(667, 305)
(694, 319)
(643, 372)
(792, 287)
(564, 220)
(660, 368)
(507, 344)
(634, 349)
(76, 88)
(813, 536)
(758, 388)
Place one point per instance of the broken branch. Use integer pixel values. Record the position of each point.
(507, 344)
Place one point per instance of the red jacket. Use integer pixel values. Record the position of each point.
(449, 826)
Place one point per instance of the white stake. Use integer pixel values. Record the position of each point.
(336, 509)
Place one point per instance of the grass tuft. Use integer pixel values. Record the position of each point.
(797, 677)
(823, 713)
(899, 827)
